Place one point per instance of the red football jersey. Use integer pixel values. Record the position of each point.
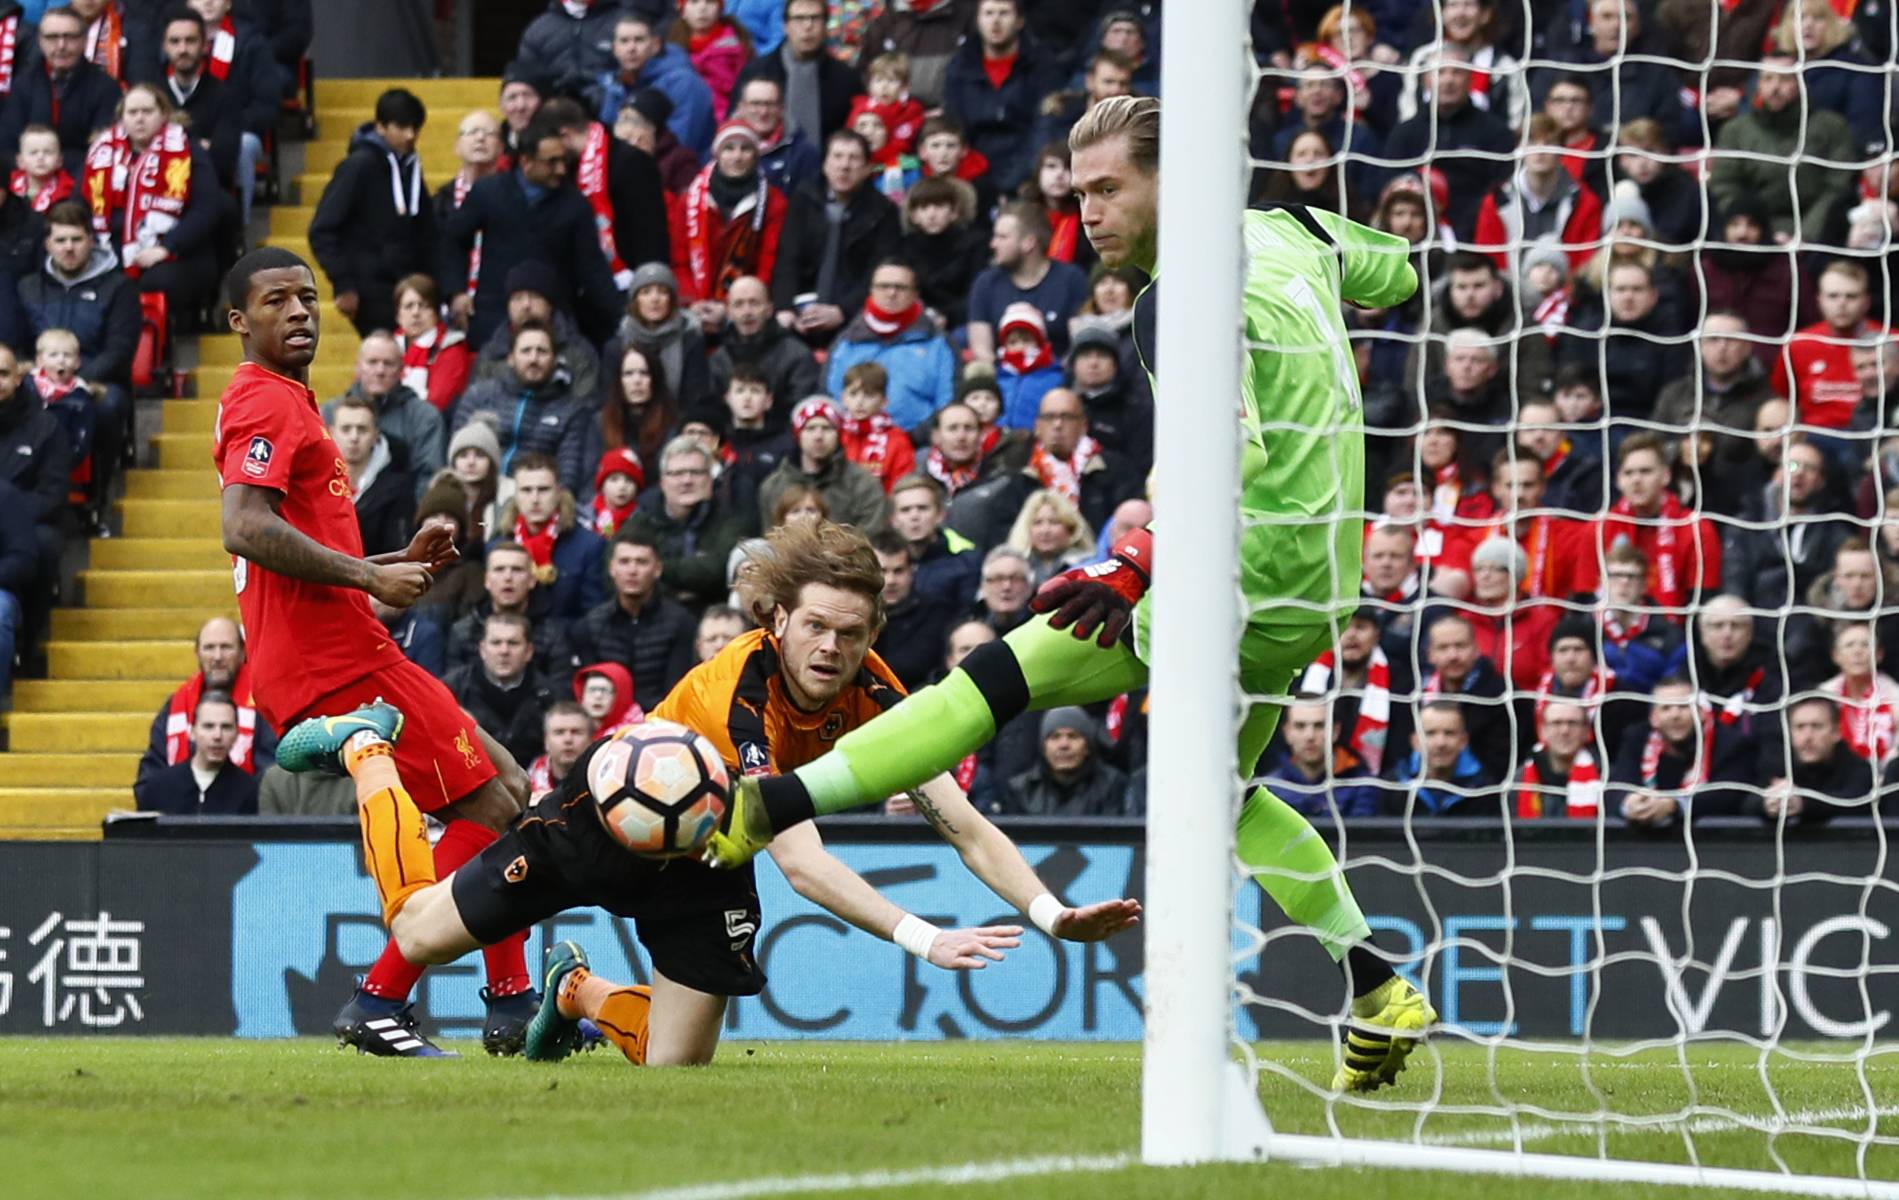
(1818, 366)
(303, 640)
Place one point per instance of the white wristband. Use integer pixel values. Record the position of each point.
(916, 935)
(1043, 910)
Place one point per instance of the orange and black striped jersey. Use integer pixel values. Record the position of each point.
(737, 700)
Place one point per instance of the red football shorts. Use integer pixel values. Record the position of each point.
(439, 755)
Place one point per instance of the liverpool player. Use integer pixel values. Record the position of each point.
(317, 651)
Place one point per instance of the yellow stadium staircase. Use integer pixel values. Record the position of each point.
(74, 738)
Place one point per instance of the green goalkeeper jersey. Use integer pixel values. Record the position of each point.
(1302, 464)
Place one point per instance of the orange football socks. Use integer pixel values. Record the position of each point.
(620, 1012)
(395, 837)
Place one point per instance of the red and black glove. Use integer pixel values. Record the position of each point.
(1101, 596)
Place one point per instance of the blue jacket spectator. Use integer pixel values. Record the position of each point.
(533, 411)
(1644, 656)
(920, 362)
(669, 72)
(1351, 790)
(1446, 778)
(1000, 121)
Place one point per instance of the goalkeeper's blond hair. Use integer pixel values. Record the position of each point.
(1136, 118)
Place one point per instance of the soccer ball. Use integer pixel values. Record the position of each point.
(661, 787)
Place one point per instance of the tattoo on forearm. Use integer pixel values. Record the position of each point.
(937, 820)
(274, 544)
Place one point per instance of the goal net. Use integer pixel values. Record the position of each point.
(1600, 741)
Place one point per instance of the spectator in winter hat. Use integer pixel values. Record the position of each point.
(1026, 367)
(616, 488)
(727, 224)
(851, 494)
(1070, 779)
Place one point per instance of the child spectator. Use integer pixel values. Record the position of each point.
(55, 380)
(871, 438)
(41, 179)
(888, 80)
(717, 46)
(941, 243)
(1026, 368)
(753, 448)
(944, 153)
(616, 490)
(1052, 187)
(893, 171)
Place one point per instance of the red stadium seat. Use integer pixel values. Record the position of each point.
(151, 366)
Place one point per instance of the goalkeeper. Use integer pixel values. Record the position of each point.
(1302, 473)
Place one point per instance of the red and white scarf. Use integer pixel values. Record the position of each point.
(1697, 772)
(1668, 582)
(223, 50)
(707, 277)
(953, 478)
(540, 546)
(1552, 312)
(591, 177)
(1582, 798)
(50, 389)
(151, 188)
(9, 52)
(1736, 705)
(1063, 475)
(51, 192)
(607, 518)
(1618, 634)
(1447, 492)
(1869, 717)
(1536, 548)
(1374, 704)
(1600, 683)
(462, 184)
(867, 440)
(105, 42)
(1022, 361)
(419, 354)
(885, 323)
(184, 702)
(540, 778)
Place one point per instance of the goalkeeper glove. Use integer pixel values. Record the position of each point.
(1101, 596)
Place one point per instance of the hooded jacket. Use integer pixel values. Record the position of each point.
(921, 365)
(35, 459)
(547, 419)
(374, 224)
(99, 305)
(574, 356)
(413, 428)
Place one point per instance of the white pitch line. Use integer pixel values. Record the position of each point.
(1791, 1123)
(792, 1185)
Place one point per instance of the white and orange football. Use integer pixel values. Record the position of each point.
(661, 787)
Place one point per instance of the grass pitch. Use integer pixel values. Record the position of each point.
(194, 1119)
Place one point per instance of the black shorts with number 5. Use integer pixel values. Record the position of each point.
(697, 922)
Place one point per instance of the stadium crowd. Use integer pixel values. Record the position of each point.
(706, 268)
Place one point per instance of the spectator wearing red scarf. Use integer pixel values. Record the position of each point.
(616, 489)
(717, 46)
(1682, 547)
(728, 222)
(221, 668)
(872, 439)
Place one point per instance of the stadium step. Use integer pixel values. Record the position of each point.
(136, 589)
(59, 812)
(172, 660)
(182, 484)
(133, 624)
(171, 518)
(198, 417)
(79, 695)
(160, 554)
(329, 377)
(357, 97)
(339, 339)
(438, 159)
(24, 770)
(79, 731)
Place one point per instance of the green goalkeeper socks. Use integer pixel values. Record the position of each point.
(1291, 861)
(926, 735)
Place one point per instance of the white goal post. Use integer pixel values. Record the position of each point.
(1200, 1090)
